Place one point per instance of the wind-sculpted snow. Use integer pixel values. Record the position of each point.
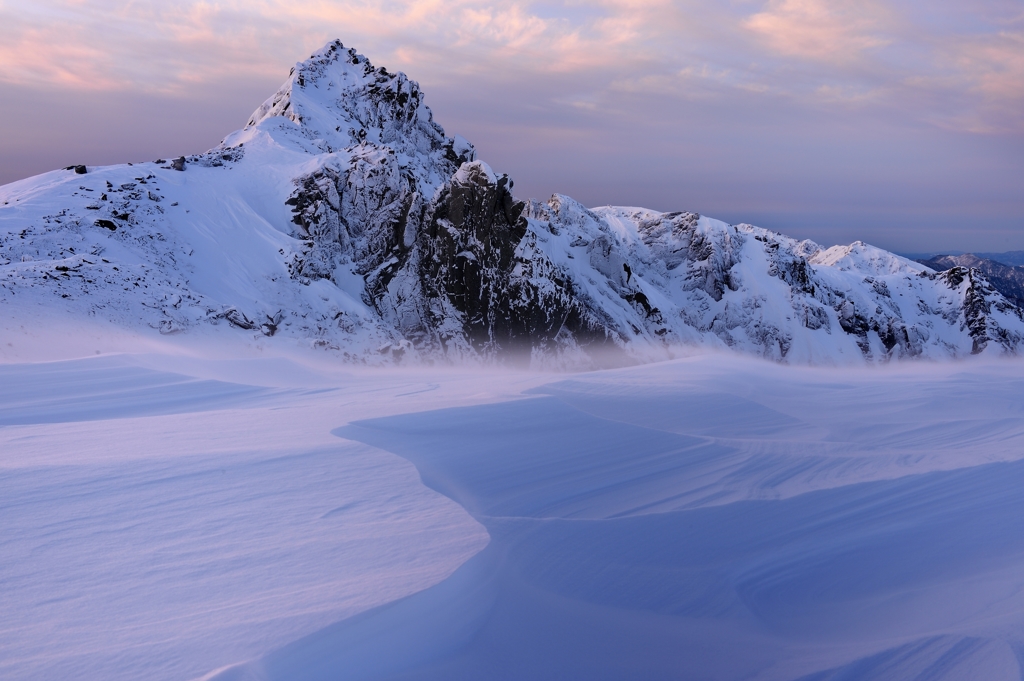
(713, 518)
(164, 516)
(342, 215)
(169, 516)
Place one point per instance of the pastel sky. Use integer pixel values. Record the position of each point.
(897, 122)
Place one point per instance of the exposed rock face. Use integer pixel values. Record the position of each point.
(463, 259)
(980, 301)
(478, 265)
(363, 211)
(343, 214)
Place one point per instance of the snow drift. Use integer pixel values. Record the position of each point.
(715, 517)
(342, 215)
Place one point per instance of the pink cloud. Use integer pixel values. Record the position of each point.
(839, 52)
(815, 29)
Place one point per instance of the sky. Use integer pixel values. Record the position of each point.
(896, 122)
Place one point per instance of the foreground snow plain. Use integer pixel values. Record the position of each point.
(256, 512)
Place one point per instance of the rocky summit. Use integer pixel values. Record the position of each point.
(343, 216)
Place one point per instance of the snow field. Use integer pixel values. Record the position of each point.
(157, 525)
(713, 518)
(172, 516)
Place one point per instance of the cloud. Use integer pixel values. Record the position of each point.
(140, 46)
(162, 46)
(838, 32)
(992, 69)
(940, 63)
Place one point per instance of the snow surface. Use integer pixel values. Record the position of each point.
(196, 482)
(174, 514)
(159, 524)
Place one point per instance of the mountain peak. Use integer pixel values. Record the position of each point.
(337, 99)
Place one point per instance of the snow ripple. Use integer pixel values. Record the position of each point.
(621, 550)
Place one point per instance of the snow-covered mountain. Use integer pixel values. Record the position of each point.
(1007, 279)
(342, 215)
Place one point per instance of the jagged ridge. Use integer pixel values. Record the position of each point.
(1007, 279)
(342, 214)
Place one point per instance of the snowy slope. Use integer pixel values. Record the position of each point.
(342, 216)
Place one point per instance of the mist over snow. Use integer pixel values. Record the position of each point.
(333, 400)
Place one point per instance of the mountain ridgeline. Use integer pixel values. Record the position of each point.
(343, 215)
(1008, 279)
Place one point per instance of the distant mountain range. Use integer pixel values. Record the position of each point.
(1012, 258)
(342, 215)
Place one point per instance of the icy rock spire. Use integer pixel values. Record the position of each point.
(338, 99)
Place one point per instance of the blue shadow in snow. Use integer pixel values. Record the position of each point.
(579, 582)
